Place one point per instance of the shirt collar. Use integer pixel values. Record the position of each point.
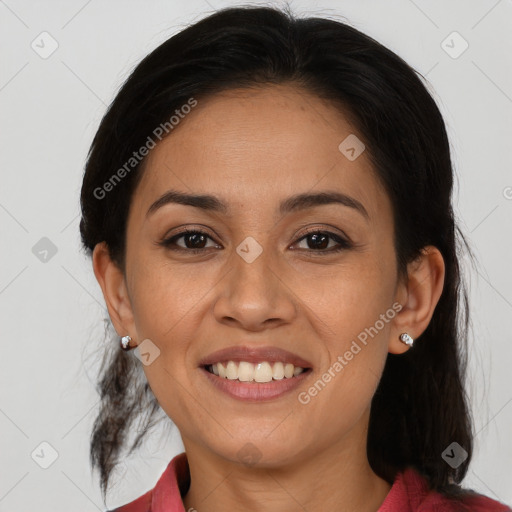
(172, 485)
(408, 491)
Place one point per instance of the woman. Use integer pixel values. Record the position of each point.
(267, 203)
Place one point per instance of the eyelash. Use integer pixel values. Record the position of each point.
(343, 244)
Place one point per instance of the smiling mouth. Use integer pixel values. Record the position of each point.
(262, 372)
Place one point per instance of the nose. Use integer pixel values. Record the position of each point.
(254, 295)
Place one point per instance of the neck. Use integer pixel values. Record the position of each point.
(337, 478)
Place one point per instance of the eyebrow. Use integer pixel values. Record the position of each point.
(294, 203)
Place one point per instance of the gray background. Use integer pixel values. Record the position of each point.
(52, 309)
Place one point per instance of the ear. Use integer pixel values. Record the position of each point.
(418, 297)
(113, 284)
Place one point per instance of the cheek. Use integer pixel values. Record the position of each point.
(353, 315)
(166, 297)
(162, 304)
(346, 298)
(344, 387)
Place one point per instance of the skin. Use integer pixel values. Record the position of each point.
(252, 149)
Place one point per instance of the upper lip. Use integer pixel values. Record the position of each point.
(254, 355)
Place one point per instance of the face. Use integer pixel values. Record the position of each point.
(308, 284)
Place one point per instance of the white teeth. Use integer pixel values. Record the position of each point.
(231, 371)
(245, 371)
(278, 371)
(297, 371)
(260, 372)
(263, 372)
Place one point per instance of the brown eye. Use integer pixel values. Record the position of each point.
(196, 240)
(193, 241)
(318, 241)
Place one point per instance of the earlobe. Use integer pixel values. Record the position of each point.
(113, 285)
(418, 296)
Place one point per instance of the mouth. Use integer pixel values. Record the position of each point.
(255, 374)
(264, 371)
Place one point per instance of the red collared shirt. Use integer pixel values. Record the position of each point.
(409, 493)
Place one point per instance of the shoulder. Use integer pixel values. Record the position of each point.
(141, 504)
(421, 499)
(168, 491)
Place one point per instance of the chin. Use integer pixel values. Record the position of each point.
(258, 451)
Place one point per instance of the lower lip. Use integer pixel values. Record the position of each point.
(256, 391)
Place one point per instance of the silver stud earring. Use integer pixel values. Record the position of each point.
(125, 343)
(405, 338)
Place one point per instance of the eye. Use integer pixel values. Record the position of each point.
(319, 241)
(194, 241)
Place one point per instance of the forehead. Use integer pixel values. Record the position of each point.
(263, 144)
